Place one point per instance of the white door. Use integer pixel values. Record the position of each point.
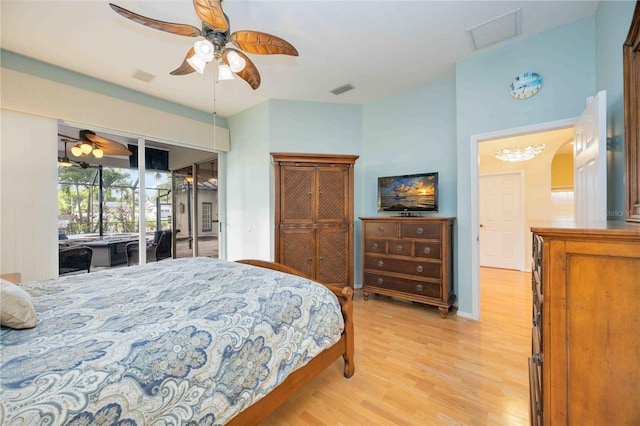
(501, 220)
(590, 161)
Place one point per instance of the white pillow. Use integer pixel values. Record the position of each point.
(16, 306)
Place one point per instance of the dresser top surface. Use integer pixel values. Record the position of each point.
(408, 218)
(587, 229)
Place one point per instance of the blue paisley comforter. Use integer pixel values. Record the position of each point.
(187, 341)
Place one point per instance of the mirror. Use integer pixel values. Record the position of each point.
(631, 58)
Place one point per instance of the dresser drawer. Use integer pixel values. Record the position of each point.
(381, 229)
(409, 267)
(432, 231)
(400, 247)
(402, 285)
(372, 245)
(428, 250)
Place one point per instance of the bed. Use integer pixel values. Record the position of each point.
(187, 341)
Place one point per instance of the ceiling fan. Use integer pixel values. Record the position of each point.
(215, 30)
(89, 144)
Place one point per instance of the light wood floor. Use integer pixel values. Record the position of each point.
(413, 368)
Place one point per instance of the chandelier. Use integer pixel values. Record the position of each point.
(517, 154)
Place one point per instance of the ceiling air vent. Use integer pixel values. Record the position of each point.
(143, 76)
(341, 89)
(496, 30)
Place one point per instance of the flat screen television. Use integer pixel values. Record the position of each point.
(155, 159)
(408, 193)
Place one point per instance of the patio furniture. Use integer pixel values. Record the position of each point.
(74, 259)
(158, 249)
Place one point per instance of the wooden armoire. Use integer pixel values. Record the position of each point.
(314, 215)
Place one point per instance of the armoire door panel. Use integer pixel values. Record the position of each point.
(332, 244)
(297, 249)
(332, 194)
(298, 191)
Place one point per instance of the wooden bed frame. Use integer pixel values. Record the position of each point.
(344, 347)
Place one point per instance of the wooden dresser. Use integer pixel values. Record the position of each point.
(314, 215)
(585, 362)
(409, 258)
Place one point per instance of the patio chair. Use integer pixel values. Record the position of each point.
(158, 249)
(74, 259)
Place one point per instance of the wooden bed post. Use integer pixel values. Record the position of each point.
(347, 312)
(345, 347)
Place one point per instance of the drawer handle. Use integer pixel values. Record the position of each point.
(380, 263)
(381, 228)
(398, 248)
(309, 260)
(419, 287)
(309, 194)
(380, 281)
(374, 246)
(427, 250)
(419, 268)
(419, 231)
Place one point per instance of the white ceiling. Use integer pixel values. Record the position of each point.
(380, 47)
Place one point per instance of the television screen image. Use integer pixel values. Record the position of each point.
(418, 192)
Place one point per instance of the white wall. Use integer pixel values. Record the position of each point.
(28, 195)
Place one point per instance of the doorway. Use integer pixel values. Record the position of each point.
(483, 141)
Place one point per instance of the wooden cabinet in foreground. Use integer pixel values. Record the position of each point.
(409, 258)
(586, 320)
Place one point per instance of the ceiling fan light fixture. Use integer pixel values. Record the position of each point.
(204, 54)
(64, 161)
(197, 64)
(86, 148)
(224, 72)
(97, 152)
(204, 50)
(76, 150)
(236, 62)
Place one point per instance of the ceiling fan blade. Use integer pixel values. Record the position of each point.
(249, 73)
(210, 12)
(185, 68)
(179, 29)
(108, 146)
(262, 43)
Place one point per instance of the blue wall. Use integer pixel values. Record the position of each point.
(249, 194)
(613, 19)
(565, 58)
(412, 132)
(315, 127)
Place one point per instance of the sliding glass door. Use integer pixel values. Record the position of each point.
(195, 192)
